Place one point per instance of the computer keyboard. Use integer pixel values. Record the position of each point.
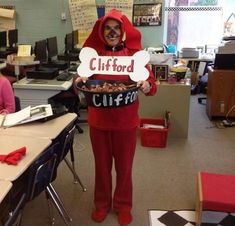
(73, 68)
(64, 76)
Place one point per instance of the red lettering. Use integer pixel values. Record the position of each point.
(114, 64)
(130, 68)
(119, 68)
(99, 64)
(91, 67)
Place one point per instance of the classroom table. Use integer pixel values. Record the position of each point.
(5, 187)
(34, 92)
(34, 147)
(50, 129)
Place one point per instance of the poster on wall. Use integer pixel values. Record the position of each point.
(83, 16)
(125, 6)
(147, 14)
(7, 18)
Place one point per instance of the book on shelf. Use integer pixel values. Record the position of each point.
(26, 115)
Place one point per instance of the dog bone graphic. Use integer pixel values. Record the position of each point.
(134, 66)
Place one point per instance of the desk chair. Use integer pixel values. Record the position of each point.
(203, 82)
(200, 99)
(72, 102)
(66, 142)
(16, 215)
(17, 104)
(215, 192)
(40, 176)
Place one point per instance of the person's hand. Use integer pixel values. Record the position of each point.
(80, 79)
(10, 58)
(145, 86)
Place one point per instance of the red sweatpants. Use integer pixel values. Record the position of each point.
(120, 147)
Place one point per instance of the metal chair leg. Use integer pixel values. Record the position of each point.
(76, 177)
(56, 196)
(50, 209)
(57, 206)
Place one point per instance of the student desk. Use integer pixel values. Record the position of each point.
(5, 187)
(34, 147)
(171, 97)
(37, 91)
(50, 129)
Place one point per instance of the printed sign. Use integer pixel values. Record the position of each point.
(115, 98)
(134, 66)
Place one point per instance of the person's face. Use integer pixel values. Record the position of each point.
(112, 32)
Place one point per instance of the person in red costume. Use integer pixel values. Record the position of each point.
(113, 130)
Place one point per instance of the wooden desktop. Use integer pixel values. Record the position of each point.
(34, 147)
(49, 130)
(220, 93)
(35, 136)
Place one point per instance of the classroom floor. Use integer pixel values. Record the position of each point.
(163, 178)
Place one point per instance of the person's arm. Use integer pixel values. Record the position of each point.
(148, 87)
(8, 98)
(152, 81)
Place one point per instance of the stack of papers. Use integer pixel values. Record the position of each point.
(26, 115)
(152, 126)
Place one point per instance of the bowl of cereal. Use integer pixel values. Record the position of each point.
(109, 93)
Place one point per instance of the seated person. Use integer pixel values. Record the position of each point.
(7, 98)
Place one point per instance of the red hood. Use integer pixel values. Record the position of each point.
(132, 36)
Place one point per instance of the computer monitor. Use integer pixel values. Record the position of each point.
(3, 39)
(40, 50)
(13, 37)
(52, 48)
(68, 42)
(225, 61)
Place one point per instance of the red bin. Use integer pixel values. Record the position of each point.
(153, 137)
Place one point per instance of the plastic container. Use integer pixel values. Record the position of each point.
(153, 137)
(109, 99)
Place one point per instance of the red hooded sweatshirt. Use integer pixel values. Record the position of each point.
(125, 117)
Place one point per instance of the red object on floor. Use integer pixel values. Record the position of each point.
(98, 216)
(153, 137)
(13, 157)
(124, 218)
(218, 192)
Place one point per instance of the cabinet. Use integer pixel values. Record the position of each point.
(174, 98)
(220, 93)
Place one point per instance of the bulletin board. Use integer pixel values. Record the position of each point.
(83, 16)
(125, 6)
(7, 18)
